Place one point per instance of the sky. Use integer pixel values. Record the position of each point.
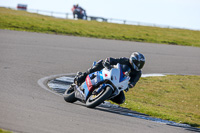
(173, 13)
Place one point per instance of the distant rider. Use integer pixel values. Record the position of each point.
(135, 63)
(79, 11)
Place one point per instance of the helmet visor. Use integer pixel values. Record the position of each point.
(137, 65)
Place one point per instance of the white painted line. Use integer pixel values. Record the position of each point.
(43, 81)
(153, 75)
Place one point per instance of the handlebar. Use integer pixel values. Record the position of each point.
(107, 65)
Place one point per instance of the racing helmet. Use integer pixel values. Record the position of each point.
(137, 61)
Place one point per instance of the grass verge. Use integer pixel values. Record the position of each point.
(174, 98)
(4, 131)
(24, 21)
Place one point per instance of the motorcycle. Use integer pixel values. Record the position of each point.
(99, 86)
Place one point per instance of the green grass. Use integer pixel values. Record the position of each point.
(174, 98)
(4, 131)
(24, 21)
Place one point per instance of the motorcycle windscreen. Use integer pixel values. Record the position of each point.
(123, 70)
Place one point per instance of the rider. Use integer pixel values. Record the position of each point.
(79, 11)
(135, 63)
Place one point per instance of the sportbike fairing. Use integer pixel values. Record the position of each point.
(97, 80)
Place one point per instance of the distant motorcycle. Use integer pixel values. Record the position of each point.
(99, 86)
(79, 12)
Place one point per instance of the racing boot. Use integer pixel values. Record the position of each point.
(80, 78)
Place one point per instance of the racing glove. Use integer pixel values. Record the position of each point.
(129, 86)
(107, 63)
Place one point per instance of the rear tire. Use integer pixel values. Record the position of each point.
(69, 95)
(95, 100)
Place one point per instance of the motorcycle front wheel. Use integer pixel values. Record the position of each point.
(95, 100)
(69, 95)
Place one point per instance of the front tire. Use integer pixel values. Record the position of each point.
(95, 100)
(69, 95)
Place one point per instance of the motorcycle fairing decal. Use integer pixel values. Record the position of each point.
(122, 78)
(86, 90)
(89, 83)
(96, 77)
(99, 76)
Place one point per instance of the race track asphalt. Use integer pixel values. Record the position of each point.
(26, 57)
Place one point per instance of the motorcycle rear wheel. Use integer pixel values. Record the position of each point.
(95, 100)
(69, 95)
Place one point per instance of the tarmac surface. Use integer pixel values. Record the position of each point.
(26, 57)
